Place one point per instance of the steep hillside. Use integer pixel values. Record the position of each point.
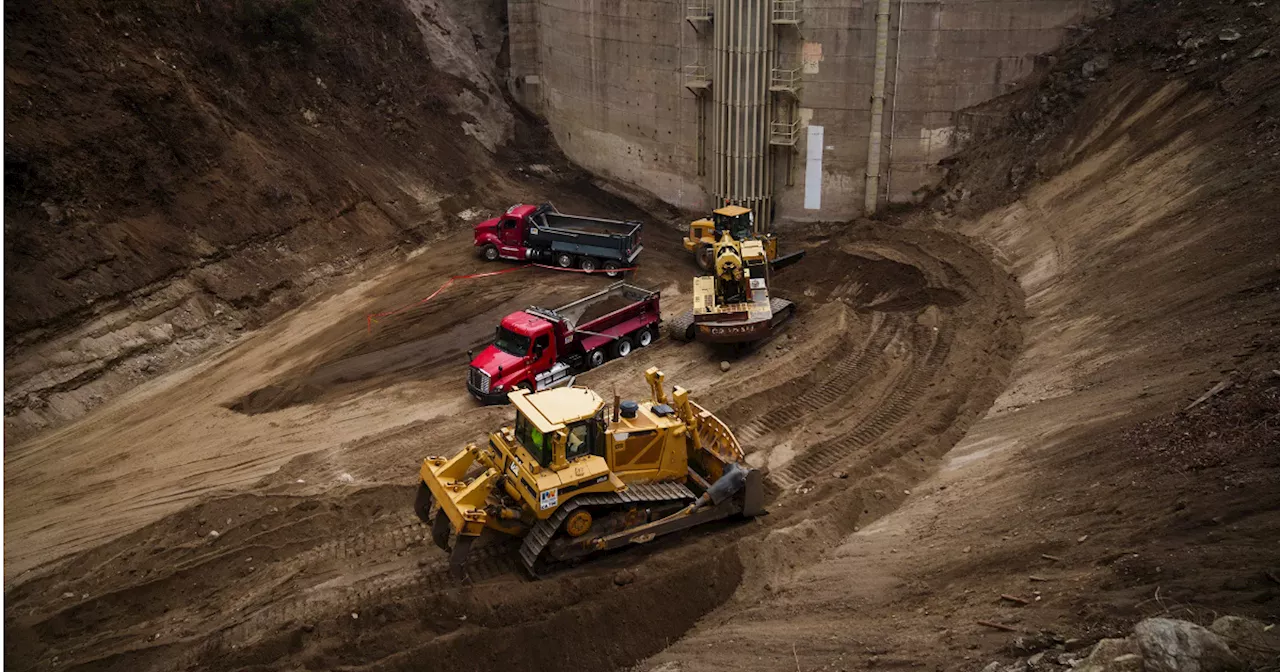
(176, 171)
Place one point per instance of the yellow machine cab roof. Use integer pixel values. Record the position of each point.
(553, 409)
(732, 210)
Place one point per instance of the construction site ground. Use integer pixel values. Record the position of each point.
(976, 428)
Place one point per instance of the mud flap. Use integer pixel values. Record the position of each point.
(440, 531)
(458, 557)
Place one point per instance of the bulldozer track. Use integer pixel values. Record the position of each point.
(545, 530)
(896, 407)
(851, 369)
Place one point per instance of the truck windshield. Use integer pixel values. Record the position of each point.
(533, 440)
(511, 343)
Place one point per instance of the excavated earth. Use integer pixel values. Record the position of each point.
(984, 396)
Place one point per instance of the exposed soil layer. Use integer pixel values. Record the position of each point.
(984, 400)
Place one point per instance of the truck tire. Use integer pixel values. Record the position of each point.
(644, 337)
(611, 268)
(588, 264)
(595, 358)
(703, 256)
(489, 252)
(622, 347)
(564, 260)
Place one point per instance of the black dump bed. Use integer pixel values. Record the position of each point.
(590, 236)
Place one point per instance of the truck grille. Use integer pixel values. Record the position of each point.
(479, 380)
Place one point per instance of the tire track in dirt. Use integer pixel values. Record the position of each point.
(926, 360)
(844, 375)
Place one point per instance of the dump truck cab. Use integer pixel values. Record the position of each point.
(524, 345)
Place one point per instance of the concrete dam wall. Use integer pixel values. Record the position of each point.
(643, 91)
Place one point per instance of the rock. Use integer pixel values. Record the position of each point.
(1129, 662)
(1251, 640)
(994, 666)
(1067, 659)
(1228, 35)
(1035, 660)
(1104, 654)
(346, 478)
(724, 366)
(213, 534)
(1260, 53)
(1083, 538)
(1096, 65)
(1169, 645)
(840, 473)
(624, 577)
(308, 627)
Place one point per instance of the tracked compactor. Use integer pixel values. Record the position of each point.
(733, 303)
(573, 476)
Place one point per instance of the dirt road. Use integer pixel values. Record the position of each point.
(298, 444)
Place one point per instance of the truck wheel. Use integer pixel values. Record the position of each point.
(622, 347)
(644, 337)
(490, 252)
(587, 264)
(564, 260)
(703, 257)
(611, 268)
(595, 358)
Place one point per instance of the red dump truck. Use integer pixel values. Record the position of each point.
(540, 234)
(537, 349)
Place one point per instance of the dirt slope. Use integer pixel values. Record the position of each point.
(1149, 253)
(177, 172)
(969, 398)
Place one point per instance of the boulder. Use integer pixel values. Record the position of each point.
(1250, 640)
(1169, 645)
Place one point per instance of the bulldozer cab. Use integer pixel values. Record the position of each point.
(557, 427)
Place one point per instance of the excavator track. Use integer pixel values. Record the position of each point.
(782, 310)
(681, 328)
(541, 535)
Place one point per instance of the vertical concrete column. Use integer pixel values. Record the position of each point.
(743, 56)
(877, 107)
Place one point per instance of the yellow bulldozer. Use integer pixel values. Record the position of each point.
(733, 304)
(573, 476)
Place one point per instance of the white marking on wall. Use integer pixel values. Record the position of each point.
(810, 57)
(813, 170)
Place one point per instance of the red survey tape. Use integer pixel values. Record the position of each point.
(373, 317)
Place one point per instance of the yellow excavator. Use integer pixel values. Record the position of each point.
(732, 304)
(573, 476)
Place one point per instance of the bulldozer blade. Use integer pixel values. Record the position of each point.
(786, 260)
(440, 530)
(458, 557)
